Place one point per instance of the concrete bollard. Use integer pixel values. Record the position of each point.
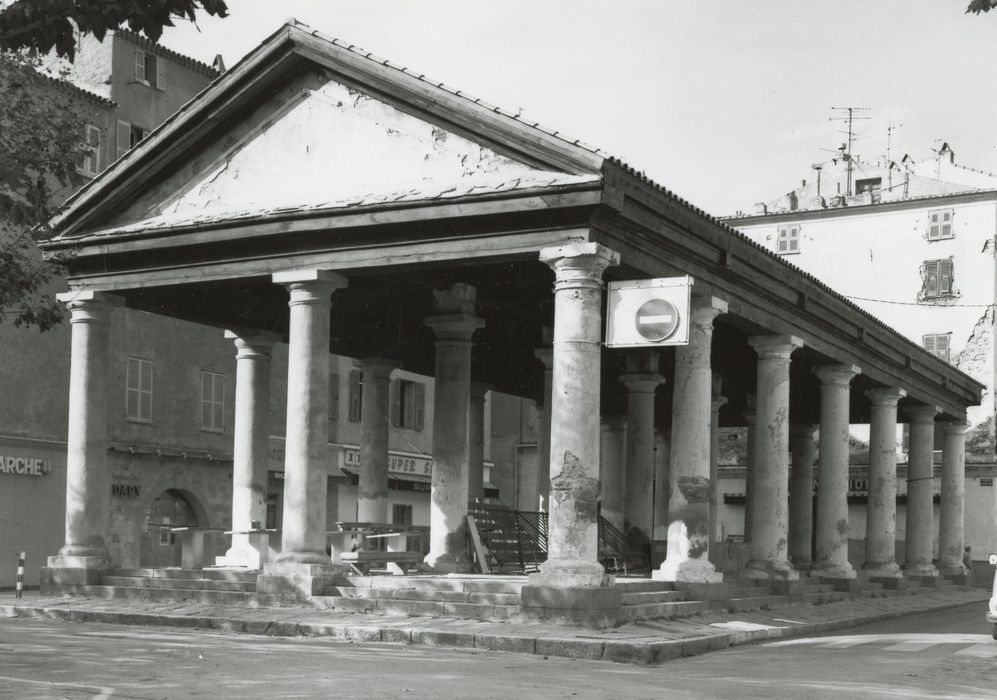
(20, 574)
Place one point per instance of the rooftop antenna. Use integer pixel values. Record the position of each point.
(850, 117)
(889, 142)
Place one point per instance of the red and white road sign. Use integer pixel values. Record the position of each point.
(648, 312)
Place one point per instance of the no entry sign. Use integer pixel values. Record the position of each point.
(648, 312)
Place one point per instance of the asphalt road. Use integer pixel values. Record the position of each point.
(947, 654)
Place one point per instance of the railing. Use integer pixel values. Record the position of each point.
(729, 558)
(509, 540)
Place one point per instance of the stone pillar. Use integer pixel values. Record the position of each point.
(372, 487)
(770, 490)
(688, 555)
(306, 448)
(476, 439)
(801, 496)
(251, 444)
(572, 584)
(881, 509)
(950, 530)
(641, 381)
(545, 355)
(453, 326)
(662, 495)
(612, 474)
(832, 478)
(920, 492)
(716, 502)
(749, 471)
(88, 486)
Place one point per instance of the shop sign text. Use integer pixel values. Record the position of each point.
(26, 466)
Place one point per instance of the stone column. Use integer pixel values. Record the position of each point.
(641, 381)
(453, 326)
(770, 490)
(372, 488)
(88, 486)
(881, 510)
(573, 556)
(612, 475)
(306, 449)
(476, 433)
(688, 555)
(662, 495)
(832, 478)
(715, 503)
(251, 444)
(545, 355)
(749, 472)
(920, 492)
(950, 530)
(801, 496)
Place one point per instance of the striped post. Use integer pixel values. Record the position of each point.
(20, 574)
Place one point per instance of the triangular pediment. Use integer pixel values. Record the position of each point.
(321, 145)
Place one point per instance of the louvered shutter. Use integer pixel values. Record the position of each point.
(160, 73)
(794, 239)
(333, 397)
(124, 138)
(140, 66)
(395, 407)
(91, 161)
(946, 228)
(931, 278)
(944, 277)
(356, 395)
(420, 406)
(942, 346)
(929, 343)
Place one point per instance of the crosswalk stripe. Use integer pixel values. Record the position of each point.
(982, 651)
(910, 646)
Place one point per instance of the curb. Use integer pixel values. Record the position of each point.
(620, 651)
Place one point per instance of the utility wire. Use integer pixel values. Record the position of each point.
(915, 303)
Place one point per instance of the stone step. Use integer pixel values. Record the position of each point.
(179, 583)
(643, 585)
(818, 587)
(650, 597)
(748, 592)
(392, 606)
(824, 596)
(170, 594)
(652, 611)
(465, 585)
(157, 573)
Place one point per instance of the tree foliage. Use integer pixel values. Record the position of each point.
(978, 6)
(46, 25)
(41, 150)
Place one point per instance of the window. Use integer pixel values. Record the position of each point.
(937, 278)
(212, 401)
(138, 390)
(401, 514)
(356, 395)
(872, 185)
(91, 145)
(150, 70)
(333, 397)
(937, 344)
(408, 408)
(129, 136)
(940, 224)
(165, 537)
(789, 239)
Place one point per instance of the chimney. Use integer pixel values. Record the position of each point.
(803, 183)
(219, 63)
(760, 208)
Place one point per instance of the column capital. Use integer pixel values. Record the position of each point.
(704, 310)
(885, 396)
(545, 355)
(88, 306)
(840, 374)
(775, 347)
(618, 422)
(641, 383)
(460, 326)
(717, 402)
(309, 286)
(921, 414)
(579, 263)
(954, 427)
(252, 343)
(377, 367)
(479, 389)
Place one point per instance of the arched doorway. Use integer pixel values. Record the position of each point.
(159, 547)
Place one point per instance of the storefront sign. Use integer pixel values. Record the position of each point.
(126, 490)
(25, 466)
(398, 462)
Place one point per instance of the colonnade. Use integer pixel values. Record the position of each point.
(777, 525)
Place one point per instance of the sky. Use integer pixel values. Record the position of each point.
(726, 103)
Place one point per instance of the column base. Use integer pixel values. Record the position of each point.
(834, 570)
(589, 606)
(844, 585)
(688, 571)
(570, 573)
(64, 573)
(881, 569)
(921, 571)
(703, 591)
(300, 579)
(448, 563)
(773, 570)
(803, 566)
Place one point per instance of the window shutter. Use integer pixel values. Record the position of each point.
(794, 238)
(420, 406)
(929, 343)
(931, 278)
(160, 73)
(91, 161)
(395, 407)
(942, 346)
(934, 231)
(944, 277)
(124, 137)
(333, 396)
(356, 395)
(140, 65)
(946, 229)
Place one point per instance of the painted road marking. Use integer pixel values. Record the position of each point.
(100, 693)
(982, 651)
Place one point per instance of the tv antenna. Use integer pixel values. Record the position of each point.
(850, 117)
